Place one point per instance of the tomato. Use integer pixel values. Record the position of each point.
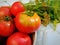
(27, 24)
(6, 26)
(19, 39)
(5, 10)
(17, 7)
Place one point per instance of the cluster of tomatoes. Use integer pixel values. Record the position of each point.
(16, 25)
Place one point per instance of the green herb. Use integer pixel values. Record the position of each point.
(49, 11)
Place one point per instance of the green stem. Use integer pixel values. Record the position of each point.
(48, 2)
(7, 18)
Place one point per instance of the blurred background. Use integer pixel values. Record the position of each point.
(47, 36)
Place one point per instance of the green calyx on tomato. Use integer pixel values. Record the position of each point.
(29, 13)
(27, 24)
(6, 18)
(6, 26)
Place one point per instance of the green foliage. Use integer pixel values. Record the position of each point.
(46, 9)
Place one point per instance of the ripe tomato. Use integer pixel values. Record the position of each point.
(6, 26)
(27, 24)
(19, 39)
(5, 10)
(17, 7)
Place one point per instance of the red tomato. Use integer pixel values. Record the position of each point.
(19, 39)
(17, 7)
(27, 24)
(6, 26)
(5, 10)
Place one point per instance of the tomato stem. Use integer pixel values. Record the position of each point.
(7, 18)
(29, 13)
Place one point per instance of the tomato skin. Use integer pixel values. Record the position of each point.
(5, 11)
(17, 7)
(6, 28)
(19, 39)
(27, 24)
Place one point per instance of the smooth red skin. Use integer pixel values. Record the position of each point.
(17, 7)
(25, 29)
(19, 39)
(5, 11)
(6, 28)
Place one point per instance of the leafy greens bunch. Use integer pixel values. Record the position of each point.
(49, 11)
